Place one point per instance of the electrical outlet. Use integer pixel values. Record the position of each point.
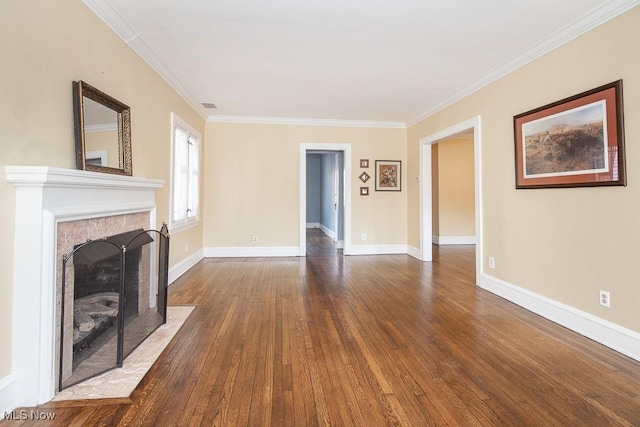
(492, 262)
(255, 239)
(605, 298)
(363, 236)
(186, 247)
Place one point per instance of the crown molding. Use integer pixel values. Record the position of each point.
(305, 122)
(585, 23)
(104, 11)
(596, 17)
(108, 15)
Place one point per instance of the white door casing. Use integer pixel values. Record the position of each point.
(426, 190)
(346, 150)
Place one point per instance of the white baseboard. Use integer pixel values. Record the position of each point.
(249, 252)
(330, 233)
(614, 336)
(183, 266)
(340, 244)
(414, 252)
(8, 395)
(377, 250)
(313, 225)
(454, 240)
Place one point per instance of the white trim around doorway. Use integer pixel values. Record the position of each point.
(425, 188)
(313, 146)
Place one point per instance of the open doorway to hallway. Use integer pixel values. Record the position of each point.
(324, 200)
(338, 209)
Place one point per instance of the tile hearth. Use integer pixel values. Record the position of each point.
(121, 382)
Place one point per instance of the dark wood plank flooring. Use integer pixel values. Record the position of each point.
(318, 244)
(365, 341)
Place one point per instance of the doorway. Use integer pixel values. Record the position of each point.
(472, 127)
(326, 206)
(325, 201)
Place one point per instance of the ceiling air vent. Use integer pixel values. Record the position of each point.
(209, 105)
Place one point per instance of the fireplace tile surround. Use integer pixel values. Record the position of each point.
(50, 201)
(70, 233)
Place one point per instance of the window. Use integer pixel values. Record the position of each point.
(185, 177)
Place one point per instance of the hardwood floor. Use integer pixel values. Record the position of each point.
(365, 341)
(318, 244)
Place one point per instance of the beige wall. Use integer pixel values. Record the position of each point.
(108, 141)
(45, 46)
(252, 175)
(454, 200)
(564, 244)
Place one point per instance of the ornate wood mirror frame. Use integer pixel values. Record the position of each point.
(103, 131)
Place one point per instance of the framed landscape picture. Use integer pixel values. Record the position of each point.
(388, 175)
(577, 141)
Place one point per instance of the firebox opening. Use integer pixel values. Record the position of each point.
(111, 310)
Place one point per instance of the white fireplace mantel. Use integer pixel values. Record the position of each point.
(45, 196)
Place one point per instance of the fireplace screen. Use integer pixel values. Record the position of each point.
(114, 295)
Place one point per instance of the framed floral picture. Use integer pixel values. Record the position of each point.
(388, 175)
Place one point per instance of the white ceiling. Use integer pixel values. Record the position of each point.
(342, 60)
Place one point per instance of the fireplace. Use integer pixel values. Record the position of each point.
(108, 302)
(57, 209)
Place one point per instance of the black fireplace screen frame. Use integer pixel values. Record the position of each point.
(162, 280)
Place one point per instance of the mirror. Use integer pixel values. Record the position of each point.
(103, 131)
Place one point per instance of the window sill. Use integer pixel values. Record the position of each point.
(180, 227)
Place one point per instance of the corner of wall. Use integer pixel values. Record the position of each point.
(7, 395)
(414, 252)
(183, 266)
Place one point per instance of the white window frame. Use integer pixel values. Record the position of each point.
(191, 200)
